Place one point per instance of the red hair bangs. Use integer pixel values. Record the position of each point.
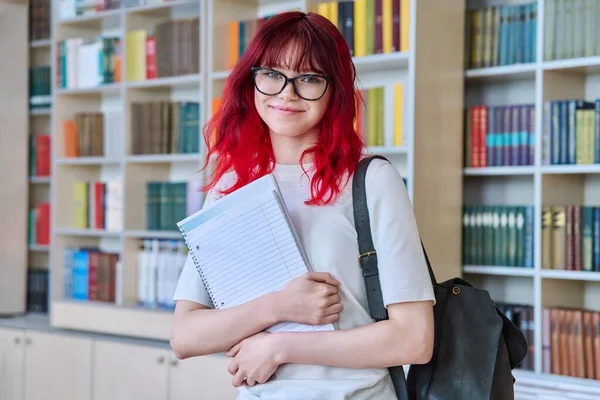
(239, 140)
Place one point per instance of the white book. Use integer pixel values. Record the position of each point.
(244, 246)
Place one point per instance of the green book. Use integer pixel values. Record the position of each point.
(466, 236)
(370, 29)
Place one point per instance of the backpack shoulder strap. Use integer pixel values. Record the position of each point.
(367, 255)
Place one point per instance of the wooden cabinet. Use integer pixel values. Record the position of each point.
(12, 362)
(125, 371)
(44, 366)
(57, 366)
(200, 378)
(39, 365)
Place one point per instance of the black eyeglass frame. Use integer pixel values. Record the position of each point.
(255, 70)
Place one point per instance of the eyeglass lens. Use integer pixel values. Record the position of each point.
(271, 83)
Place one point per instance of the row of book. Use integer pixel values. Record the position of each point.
(571, 342)
(37, 290)
(571, 29)
(571, 132)
(371, 116)
(501, 35)
(72, 8)
(88, 62)
(39, 224)
(159, 264)
(169, 202)
(370, 26)
(523, 317)
(163, 127)
(40, 87)
(40, 155)
(238, 34)
(499, 135)
(93, 134)
(173, 49)
(39, 19)
(91, 274)
(498, 235)
(571, 237)
(98, 205)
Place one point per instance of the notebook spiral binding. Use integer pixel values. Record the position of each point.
(197, 265)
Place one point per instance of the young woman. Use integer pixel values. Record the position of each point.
(288, 108)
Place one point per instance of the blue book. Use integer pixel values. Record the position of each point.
(80, 275)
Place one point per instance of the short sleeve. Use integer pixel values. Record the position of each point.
(402, 267)
(190, 286)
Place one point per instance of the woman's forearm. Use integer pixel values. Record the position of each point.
(310, 298)
(206, 331)
(379, 345)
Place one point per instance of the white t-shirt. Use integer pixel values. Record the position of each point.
(330, 240)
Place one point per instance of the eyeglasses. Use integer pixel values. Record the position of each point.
(309, 87)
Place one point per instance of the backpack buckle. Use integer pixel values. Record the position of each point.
(366, 254)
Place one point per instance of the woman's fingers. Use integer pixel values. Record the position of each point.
(334, 309)
(333, 299)
(233, 367)
(239, 378)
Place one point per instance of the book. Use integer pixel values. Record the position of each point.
(245, 246)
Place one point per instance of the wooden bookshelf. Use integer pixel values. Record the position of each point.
(545, 78)
(432, 81)
(39, 154)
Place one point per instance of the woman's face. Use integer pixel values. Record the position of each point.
(289, 113)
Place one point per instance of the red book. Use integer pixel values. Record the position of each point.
(42, 224)
(150, 57)
(42, 145)
(483, 132)
(112, 277)
(94, 258)
(475, 127)
(378, 26)
(99, 205)
(396, 25)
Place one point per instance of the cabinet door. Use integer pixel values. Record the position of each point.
(57, 367)
(11, 364)
(124, 371)
(203, 378)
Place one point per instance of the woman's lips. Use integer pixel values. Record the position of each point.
(285, 110)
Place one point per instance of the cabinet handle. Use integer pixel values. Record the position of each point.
(160, 360)
(28, 341)
(173, 362)
(17, 340)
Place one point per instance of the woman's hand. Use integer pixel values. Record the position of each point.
(312, 298)
(255, 359)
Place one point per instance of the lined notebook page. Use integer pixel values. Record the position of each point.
(246, 249)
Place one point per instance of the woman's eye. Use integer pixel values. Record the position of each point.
(311, 79)
(273, 75)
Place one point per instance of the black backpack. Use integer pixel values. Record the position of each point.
(476, 346)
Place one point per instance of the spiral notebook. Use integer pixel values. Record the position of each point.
(244, 246)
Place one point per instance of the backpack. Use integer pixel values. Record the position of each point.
(476, 346)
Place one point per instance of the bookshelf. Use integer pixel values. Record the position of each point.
(13, 150)
(139, 164)
(40, 165)
(566, 70)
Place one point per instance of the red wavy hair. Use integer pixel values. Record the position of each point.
(238, 138)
